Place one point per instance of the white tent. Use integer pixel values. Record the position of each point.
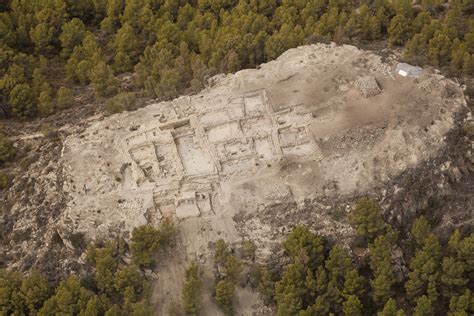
(407, 70)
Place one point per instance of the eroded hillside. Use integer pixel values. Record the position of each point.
(293, 141)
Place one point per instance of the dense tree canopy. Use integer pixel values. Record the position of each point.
(173, 45)
(336, 282)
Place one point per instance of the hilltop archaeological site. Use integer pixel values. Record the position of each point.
(295, 141)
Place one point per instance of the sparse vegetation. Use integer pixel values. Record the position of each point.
(49, 132)
(3, 181)
(248, 250)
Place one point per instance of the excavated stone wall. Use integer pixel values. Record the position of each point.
(189, 157)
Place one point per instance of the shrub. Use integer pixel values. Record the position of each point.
(6, 149)
(22, 101)
(64, 98)
(121, 102)
(468, 129)
(49, 132)
(45, 103)
(3, 181)
(248, 250)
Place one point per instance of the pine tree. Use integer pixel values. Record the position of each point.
(439, 49)
(353, 284)
(457, 55)
(380, 264)
(399, 30)
(45, 101)
(339, 263)
(113, 10)
(141, 308)
(145, 241)
(73, 33)
(64, 98)
(224, 295)
(7, 152)
(221, 252)
(95, 306)
(103, 80)
(70, 298)
(390, 309)
(167, 86)
(22, 101)
(130, 278)
(367, 220)
(301, 243)
(42, 37)
(423, 267)
(452, 277)
(114, 311)
(463, 250)
(420, 230)
(126, 49)
(232, 268)
(191, 294)
(468, 64)
(39, 82)
(290, 290)
(462, 304)
(421, 20)
(105, 266)
(320, 307)
(352, 306)
(423, 307)
(83, 71)
(266, 286)
(338, 266)
(11, 299)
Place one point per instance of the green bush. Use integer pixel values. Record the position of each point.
(3, 181)
(6, 149)
(248, 249)
(64, 98)
(22, 101)
(124, 101)
(49, 132)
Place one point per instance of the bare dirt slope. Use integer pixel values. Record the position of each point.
(255, 153)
